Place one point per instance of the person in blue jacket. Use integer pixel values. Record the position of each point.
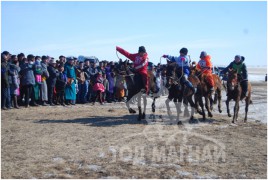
(183, 62)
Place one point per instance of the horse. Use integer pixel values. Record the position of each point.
(234, 91)
(203, 91)
(177, 92)
(134, 86)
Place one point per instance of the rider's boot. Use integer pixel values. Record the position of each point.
(190, 86)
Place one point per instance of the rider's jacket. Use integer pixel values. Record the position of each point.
(239, 67)
(140, 63)
(182, 61)
(205, 65)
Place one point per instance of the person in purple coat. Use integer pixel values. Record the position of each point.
(110, 78)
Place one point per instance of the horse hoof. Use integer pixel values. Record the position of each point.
(143, 116)
(210, 115)
(220, 110)
(229, 115)
(132, 111)
(179, 123)
(202, 120)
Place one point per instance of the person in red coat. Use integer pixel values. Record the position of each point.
(140, 60)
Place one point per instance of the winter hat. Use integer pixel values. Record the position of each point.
(70, 58)
(203, 54)
(142, 49)
(238, 57)
(184, 51)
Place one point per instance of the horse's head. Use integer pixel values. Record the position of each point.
(171, 73)
(121, 67)
(232, 80)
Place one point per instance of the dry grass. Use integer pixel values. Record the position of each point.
(81, 142)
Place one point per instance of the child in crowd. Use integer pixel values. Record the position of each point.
(99, 88)
(106, 87)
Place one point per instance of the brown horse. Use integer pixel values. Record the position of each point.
(234, 91)
(203, 91)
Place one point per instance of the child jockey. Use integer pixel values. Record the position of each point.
(183, 62)
(140, 60)
(205, 66)
(241, 68)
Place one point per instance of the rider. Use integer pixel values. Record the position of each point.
(205, 66)
(239, 65)
(140, 60)
(182, 61)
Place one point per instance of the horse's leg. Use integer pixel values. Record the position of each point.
(200, 100)
(219, 100)
(178, 106)
(211, 102)
(190, 100)
(168, 108)
(153, 105)
(153, 109)
(186, 111)
(236, 109)
(207, 104)
(144, 106)
(139, 107)
(197, 99)
(227, 106)
(246, 109)
(216, 95)
(131, 111)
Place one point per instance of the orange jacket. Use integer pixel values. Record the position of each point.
(205, 65)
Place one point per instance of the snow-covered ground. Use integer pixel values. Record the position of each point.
(257, 74)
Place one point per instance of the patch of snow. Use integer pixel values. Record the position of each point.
(102, 155)
(110, 177)
(183, 173)
(94, 167)
(58, 159)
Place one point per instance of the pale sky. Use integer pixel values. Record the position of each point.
(223, 29)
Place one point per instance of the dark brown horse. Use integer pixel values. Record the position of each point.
(203, 90)
(178, 92)
(134, 85)
(234, 91)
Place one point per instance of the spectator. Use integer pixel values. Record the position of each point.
(51, 81)
(110, 78)
(106, 87)
(28, 80)
(60, 85)
(87, 76)
(45, 75)
(62, 59)
(69, 71)
(82, 84)
(5, 88)
(98, 88)
(38, 77)
(14, 80)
